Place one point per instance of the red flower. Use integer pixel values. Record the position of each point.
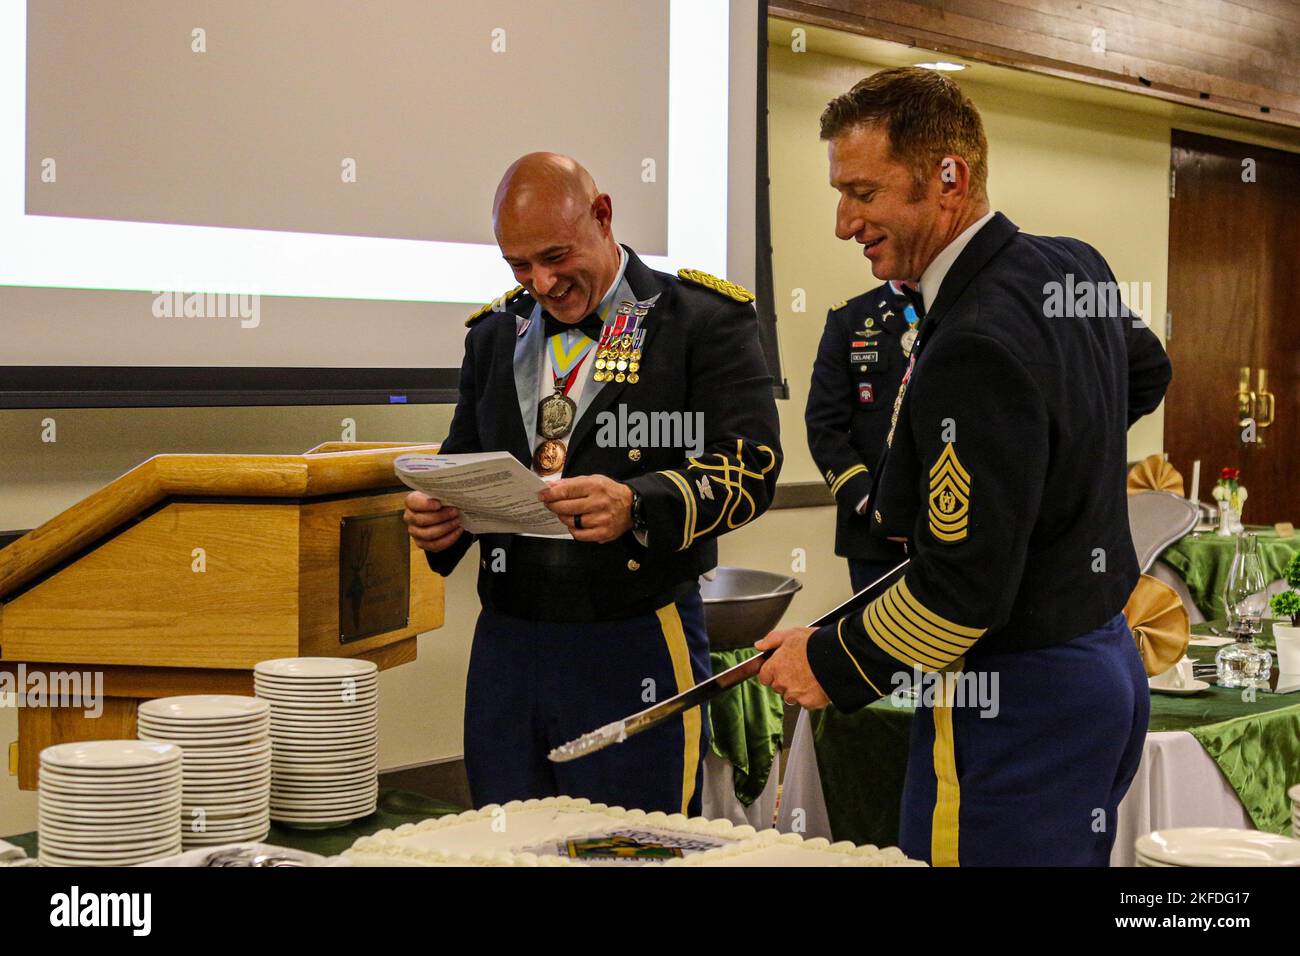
(1229, 474)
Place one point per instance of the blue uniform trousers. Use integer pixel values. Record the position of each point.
(1037, 784)
(534, 685)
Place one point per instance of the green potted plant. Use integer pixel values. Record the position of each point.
(1286, 607)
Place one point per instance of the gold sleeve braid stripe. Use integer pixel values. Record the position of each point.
(908, 631)
(839, 482)
(848, 653)
(688, 508)
(949, 497)
(731, 474)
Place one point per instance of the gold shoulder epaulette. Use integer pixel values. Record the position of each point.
(721, 286)
(839, 305)
(495, 304)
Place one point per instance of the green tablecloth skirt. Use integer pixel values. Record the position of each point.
(1203, 561)
(747, 724)
(862, 757)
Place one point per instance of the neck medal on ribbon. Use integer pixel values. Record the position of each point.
(909, 337)
(556, 412)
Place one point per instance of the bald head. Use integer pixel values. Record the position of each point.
(559, 185)
(555, 230)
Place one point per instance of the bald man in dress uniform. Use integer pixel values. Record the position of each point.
(576, 633)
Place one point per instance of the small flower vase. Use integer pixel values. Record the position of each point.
(1227, 521)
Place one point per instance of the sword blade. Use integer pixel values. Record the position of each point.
(703, 692)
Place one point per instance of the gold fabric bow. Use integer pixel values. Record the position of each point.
(1159, 624)
(1153, 473)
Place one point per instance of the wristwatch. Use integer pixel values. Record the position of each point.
(638, 518)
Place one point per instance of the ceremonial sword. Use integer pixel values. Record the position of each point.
(620, 730)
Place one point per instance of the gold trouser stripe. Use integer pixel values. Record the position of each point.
(947, 803)
(670, 622)
(839, 482)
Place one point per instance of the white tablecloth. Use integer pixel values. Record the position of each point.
(719, 795)
(1177, 785)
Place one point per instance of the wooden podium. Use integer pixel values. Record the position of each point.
(179, 576)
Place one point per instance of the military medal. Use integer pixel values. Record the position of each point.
(909, 337)
(556, 412)
(555, 416)
(549, 457)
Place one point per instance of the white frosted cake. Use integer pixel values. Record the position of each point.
(563, 831)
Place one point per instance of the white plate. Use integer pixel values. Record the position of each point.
(45, 824)
(129, 803)
(211, 723)
(352, 680)
(312, 771)
(59, 859)
(332, 714)
(109, 755)
(83, 817)
(189, 707)
(351, 735)
(253, 835)
(333, 709)
(109, 839)
(203, 738)
(76, 788)
(280, 705)
(316, 667)
(1195, 687)
(227, 766)
(120, 848)
(311, 758)
(1219, 846)
(250, 749)
(310, 819)
(209, 738)
(274, 695)
(231, 828)
(76, 858)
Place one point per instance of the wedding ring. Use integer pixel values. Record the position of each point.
(577, 522)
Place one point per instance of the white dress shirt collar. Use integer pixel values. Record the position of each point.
(932, 277)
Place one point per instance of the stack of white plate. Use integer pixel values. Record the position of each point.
(324, 736)
(1294, 794)
(227, 763)
(109, 803)
(1216, 846)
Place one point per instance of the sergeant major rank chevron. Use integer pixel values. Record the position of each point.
(949, 497)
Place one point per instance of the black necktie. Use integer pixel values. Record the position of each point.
(590, 326)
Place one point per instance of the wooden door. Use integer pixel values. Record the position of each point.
(1234, 295)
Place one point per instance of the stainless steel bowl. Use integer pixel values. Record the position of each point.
(741, 605)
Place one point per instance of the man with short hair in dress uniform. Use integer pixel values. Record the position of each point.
(860, 363)
(574, 634)
(1005, 471)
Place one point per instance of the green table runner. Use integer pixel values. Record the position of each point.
(862, 757)
(395, 808)
(1204, 559)
(747, 724)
